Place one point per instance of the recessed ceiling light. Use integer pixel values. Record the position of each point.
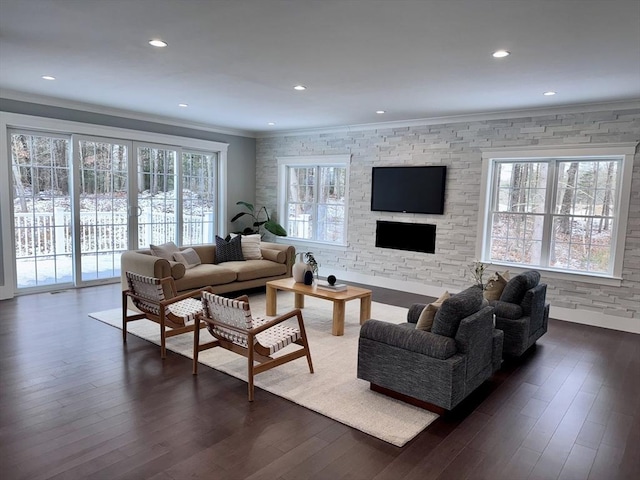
(271, 124)
(183, 105)
(501, 54)
(549, 93)
(300, 87)
(380, 112)
(48, 77)
(158, 43)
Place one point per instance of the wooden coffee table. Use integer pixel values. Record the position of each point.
(338, 298)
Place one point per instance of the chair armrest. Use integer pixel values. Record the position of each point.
(286, 316)
(507, 310)
(179, 298)
(414, 312)
(407, 338)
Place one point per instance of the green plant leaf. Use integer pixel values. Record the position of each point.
(247, 205)
(275, 228)
(236, 217)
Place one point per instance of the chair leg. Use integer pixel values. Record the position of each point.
(163, 338)
(124, 317)
(250, 369)
(196, 344)
(303, 334)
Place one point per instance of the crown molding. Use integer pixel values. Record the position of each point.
(93, 108)
(474, 117)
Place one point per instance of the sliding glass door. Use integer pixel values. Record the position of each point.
(102, 205)
(80, 201)
(41, 209)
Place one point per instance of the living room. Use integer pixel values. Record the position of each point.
(603, 122)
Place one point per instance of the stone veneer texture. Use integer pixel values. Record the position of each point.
(458, 146)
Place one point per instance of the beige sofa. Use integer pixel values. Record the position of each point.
(225, 277)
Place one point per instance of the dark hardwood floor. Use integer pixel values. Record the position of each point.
(76, 403)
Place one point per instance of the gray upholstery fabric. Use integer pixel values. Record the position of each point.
(515, 288)
(525, 321)
(414, 312)
(454, 309)
(434, 368)
(419, 341)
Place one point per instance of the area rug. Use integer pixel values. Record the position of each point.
(333, 390)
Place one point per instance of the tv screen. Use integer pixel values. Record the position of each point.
(408, 189)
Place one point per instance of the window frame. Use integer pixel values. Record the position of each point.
(619, 151)
(284, 163)
(53, 126)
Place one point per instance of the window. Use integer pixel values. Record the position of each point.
(79, 195)
(559, 212)
(313, 197)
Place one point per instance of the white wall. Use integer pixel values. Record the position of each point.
(458, 146)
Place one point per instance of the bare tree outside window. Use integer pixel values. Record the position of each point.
(579, 217)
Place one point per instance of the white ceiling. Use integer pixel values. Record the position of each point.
(235, 62)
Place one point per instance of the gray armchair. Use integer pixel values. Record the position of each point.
(522, 312)
(441, 367)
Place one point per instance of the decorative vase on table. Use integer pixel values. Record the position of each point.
(308, 277)
(300, 268)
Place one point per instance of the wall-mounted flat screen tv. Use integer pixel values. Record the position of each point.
(408, 189)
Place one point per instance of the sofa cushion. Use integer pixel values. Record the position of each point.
(425, 320)
(454, 309)
(204, 275)
(188, 257)
(496, 285)
(230, 251)
(166, 250)
(516, 287)
(253, 269)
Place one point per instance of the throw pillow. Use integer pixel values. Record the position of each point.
(425, 320)
(250, 246)
(188, 257)
(496, 285)
(230, 251)
(166, 250)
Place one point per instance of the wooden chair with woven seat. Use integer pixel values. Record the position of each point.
(231, 323)
(158, 301)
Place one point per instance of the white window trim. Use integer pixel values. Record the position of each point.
(65, 127)
(306, 160)
(626, 151)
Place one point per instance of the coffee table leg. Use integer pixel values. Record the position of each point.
(365, 309)
(338, 318)
(272, 299)
(298, 300)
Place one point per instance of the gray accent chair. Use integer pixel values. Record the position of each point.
(440, 367)
(522, 312)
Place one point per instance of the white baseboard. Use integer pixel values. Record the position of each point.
(585, 317)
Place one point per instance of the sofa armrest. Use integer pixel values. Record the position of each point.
(408, 338)
(506, 310)
(289, 250)
(143, 264)
(177, 270)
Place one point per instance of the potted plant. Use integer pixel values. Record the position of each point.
(261, 219)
